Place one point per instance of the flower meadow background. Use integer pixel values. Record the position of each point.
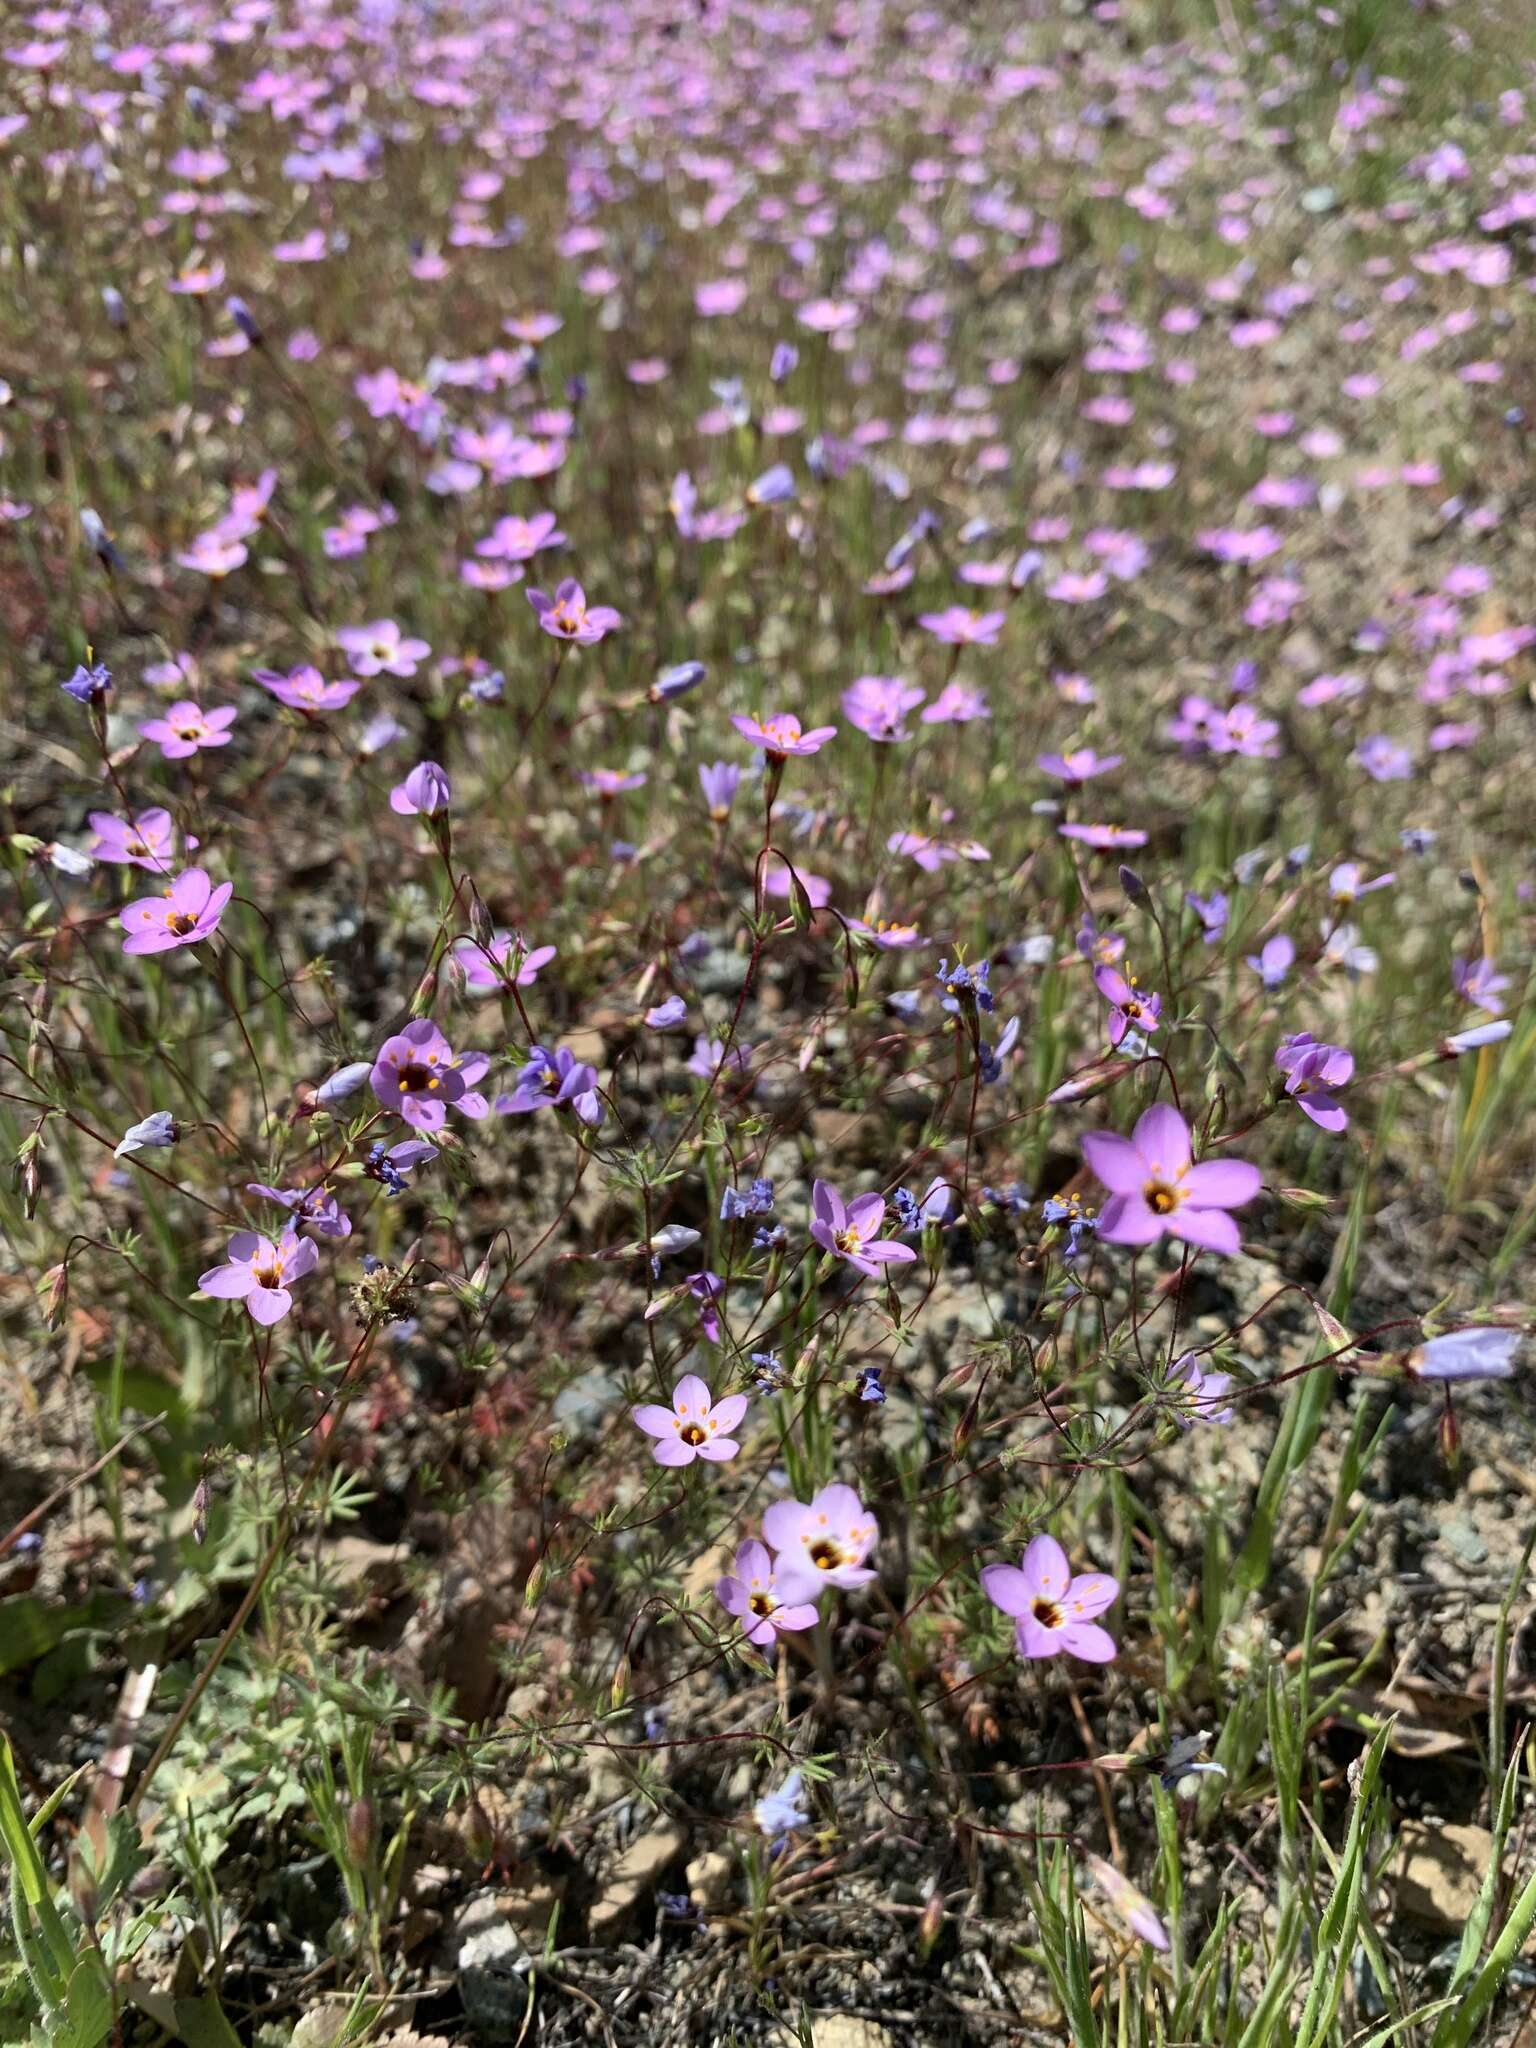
(768, 834)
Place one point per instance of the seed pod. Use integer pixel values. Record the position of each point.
(360, 1829)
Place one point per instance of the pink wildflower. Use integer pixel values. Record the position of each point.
(830, 1538)
(259, 1272)
(1155, 1186)
(851, 1231)
(186, 728)
(188, 911)
(1054, 1611)
(763, 1598)
(695, 1426)
(780, 736)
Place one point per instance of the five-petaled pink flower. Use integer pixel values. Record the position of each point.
(1154, 1186)
(145, 841)
(780, 736)
(958, 626)
(380, 648)
(830, 1538)
(417, 1074)
(505, 959)
(1077, 767)
(568, 616)
(305, 689)
(259, 1273)
(851, 1230)
(186, 727)
(766, 1599)
(1130, 1009)
(1054, 1611)
(695, 1426)
(189, 910)
(609, 782)
(518, 540)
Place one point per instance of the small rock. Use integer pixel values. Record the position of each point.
(840, 2030)
(587, 1400)
(1440, 1870)
(637, 1872)
(1461, 1538)
(353, 1561)
(322, 2028)
(710, 1879)
(493, 1967)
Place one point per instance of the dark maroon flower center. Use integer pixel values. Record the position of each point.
(691, 1433)
(761, 1603)
(267, 1276)
(825, 1554)
(416, 1076)
(1047, 1613)
(1161, 1199)
(180, 923)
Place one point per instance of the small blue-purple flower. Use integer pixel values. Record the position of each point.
(1481, 1354)
(88, 685)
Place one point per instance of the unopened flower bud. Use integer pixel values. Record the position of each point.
(245, 320)
(932, 1922)
(360, 1829)
(1134, 887)
(55, 1292)
(481, 924)
(677, 681)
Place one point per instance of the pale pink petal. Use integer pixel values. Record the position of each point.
(719, 1450)
(1087, 1640)
(840, 1505)
(1036, 1641)
(796, 1587)
(1007, 1588)
(690, 1397)
(785, 1525)
(1114, 1161)
(1126, 1219)
(888, 1253)
(1161, 1137)
(729, 1411)
(1089, 1594)
(798, 1616)
(268, 1304)
(654, 1419)
(1211, 1229)
(227, 1283)
(1045, 1566)
(1222, 1183)
(673, 1452)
